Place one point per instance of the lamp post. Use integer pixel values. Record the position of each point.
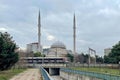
(90, 51)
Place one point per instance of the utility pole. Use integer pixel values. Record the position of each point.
(89, 52)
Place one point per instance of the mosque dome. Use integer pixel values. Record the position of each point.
(58, 44)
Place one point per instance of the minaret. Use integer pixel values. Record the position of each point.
(74, 36)
(39, 33)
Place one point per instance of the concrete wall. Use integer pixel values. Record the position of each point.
(53, 71)
(71, 76)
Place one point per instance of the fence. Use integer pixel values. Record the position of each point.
(92, 74)
(116, 66)
(45, 74)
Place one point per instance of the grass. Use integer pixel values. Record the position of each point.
(100, 70)
(6, 75)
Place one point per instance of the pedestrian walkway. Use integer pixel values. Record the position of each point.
(30, 74)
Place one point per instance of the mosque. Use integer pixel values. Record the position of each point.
(57, 49)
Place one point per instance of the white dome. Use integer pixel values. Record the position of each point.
(58, 44)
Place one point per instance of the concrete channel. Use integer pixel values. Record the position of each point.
(57, 77)
(57, 74)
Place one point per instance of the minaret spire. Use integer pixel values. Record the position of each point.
(39, 32)
(74, 36)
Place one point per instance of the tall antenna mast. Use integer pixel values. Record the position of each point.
(39, 32)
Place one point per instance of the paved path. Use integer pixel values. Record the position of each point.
(30, 74)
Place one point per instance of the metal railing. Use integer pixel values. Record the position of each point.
(45, 74)
(92, 74)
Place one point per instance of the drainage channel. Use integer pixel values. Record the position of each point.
(54, 73)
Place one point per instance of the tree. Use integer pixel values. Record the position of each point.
(22, 62)
(86, 56)
(80, 58)
(99, 59)
(70, 57)
(38, 54)
(106, 59)
(114, 56)
(115, 53)
(8, 55)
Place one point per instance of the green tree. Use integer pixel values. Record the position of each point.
(38, 54)
(99, 59)
(8, 55)
(114, 56)
(70, 57)
(86, 56)
(106, 59)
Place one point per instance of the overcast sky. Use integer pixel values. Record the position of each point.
(98, 22)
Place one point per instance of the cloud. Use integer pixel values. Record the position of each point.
(108, 11)
(50, 38)
(3, 6)
(48, 35)
(93, 27)
(3, 29)
(84, 42)
(99, 1)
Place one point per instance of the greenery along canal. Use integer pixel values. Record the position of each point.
(99, 70)
(103, 73)
(7, 74)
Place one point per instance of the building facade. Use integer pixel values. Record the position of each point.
(33, 47)
(107, 51)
